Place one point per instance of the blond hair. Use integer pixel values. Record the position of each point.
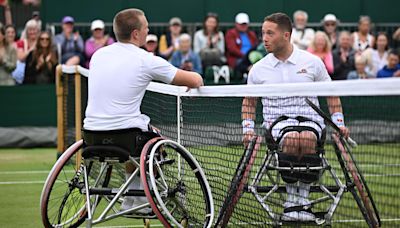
(328, 44)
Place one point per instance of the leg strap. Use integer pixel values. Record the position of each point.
(291, 176)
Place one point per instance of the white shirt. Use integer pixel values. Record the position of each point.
(378, 62)
(301, 66)
(118, 77)
(302, 38)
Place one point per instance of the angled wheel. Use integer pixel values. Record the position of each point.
(361, 192)
(238, 182)
(175, 185)
(62, 202)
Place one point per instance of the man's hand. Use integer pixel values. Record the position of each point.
(345, 132)
(247, 137)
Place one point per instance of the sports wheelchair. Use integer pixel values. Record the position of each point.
(269, 191)
(87, 183)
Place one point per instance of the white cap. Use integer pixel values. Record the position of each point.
(151, 37)
(329, 17)
(97, 24)
(242, 18)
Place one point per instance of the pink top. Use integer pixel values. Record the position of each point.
(91, 47)
(326, 58)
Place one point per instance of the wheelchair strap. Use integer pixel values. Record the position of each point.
(306, 208)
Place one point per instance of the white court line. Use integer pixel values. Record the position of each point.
(21, 182)
(29, 172)
(127, 226)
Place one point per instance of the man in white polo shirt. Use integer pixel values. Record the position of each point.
(118, 77)
(287, 64)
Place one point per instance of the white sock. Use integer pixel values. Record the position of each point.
(136, 182)
(304, 191)
(291, 190)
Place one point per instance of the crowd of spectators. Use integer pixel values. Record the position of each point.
(32, 58)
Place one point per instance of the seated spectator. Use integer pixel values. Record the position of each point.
(70, 43)
(361, 71)
(8, 60)
(239, 40)
(330, 23)
(392, 69)
(151, 44)
(28, 41)
(209, 42)
(396, 39)
(184, 58)
(301, 35)
(41, 62)
(24, 46)
(169, 42)
(343, 57)
(380, 53)
(97, 40)
(362, 39)
(321, 47)
(11, 35)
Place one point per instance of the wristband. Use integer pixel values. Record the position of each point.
(248, 125)
(338, 119)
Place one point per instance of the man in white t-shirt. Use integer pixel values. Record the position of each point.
(118, 77)
(285, 63)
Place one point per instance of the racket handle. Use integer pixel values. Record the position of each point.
(351, 142)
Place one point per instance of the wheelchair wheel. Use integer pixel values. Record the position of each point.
(62, 202)
(175, 185)
(238, 182)
(361, 192)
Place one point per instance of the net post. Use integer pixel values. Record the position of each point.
(60, 111)
(78, 113)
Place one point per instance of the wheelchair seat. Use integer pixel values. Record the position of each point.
(106, 151)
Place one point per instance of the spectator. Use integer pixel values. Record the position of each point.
(7, 12)
(41, 62)
(321, 47)
(330, 23)
(151, 44)
(361, 71)
(185, 58)
(8, 60)
(392, 69)
(396, 38)
(169, 42)
(209, 42)
(343, 57)
(69, 43)
(239, 40)
(11, 35)
(301, 36)
(97, 40)
(380, 53)
(36, 18)
(27, 42)
(362, 39)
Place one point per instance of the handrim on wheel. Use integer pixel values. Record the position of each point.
(175, 185)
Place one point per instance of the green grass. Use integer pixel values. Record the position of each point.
(23, 172)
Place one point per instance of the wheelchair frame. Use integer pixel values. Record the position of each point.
(72, 192)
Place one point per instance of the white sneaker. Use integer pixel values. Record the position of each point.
(304, 215)
(132, 201)
(290, 216)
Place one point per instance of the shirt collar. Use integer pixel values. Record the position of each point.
(292, 58)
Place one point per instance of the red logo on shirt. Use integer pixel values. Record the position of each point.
(302, 71)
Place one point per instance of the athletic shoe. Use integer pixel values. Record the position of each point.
(290, 216)
(132, 201)
(305, 215)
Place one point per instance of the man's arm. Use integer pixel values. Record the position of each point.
(248, 116)
(335, 108)
(187, 78)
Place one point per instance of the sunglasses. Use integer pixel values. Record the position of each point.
(330, 24)
(44, 38)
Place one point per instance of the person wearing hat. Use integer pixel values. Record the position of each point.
(151, 44)
(330, 23)
(239, 40)
(97, 40)
(69, 43)
(169, 42)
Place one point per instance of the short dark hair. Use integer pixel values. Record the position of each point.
(394, 52)
(125, 22)
(282, 20)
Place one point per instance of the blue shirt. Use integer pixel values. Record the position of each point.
(246, 44)
(386, 72)
(178, 58)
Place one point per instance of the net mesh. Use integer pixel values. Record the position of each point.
(208, 123)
